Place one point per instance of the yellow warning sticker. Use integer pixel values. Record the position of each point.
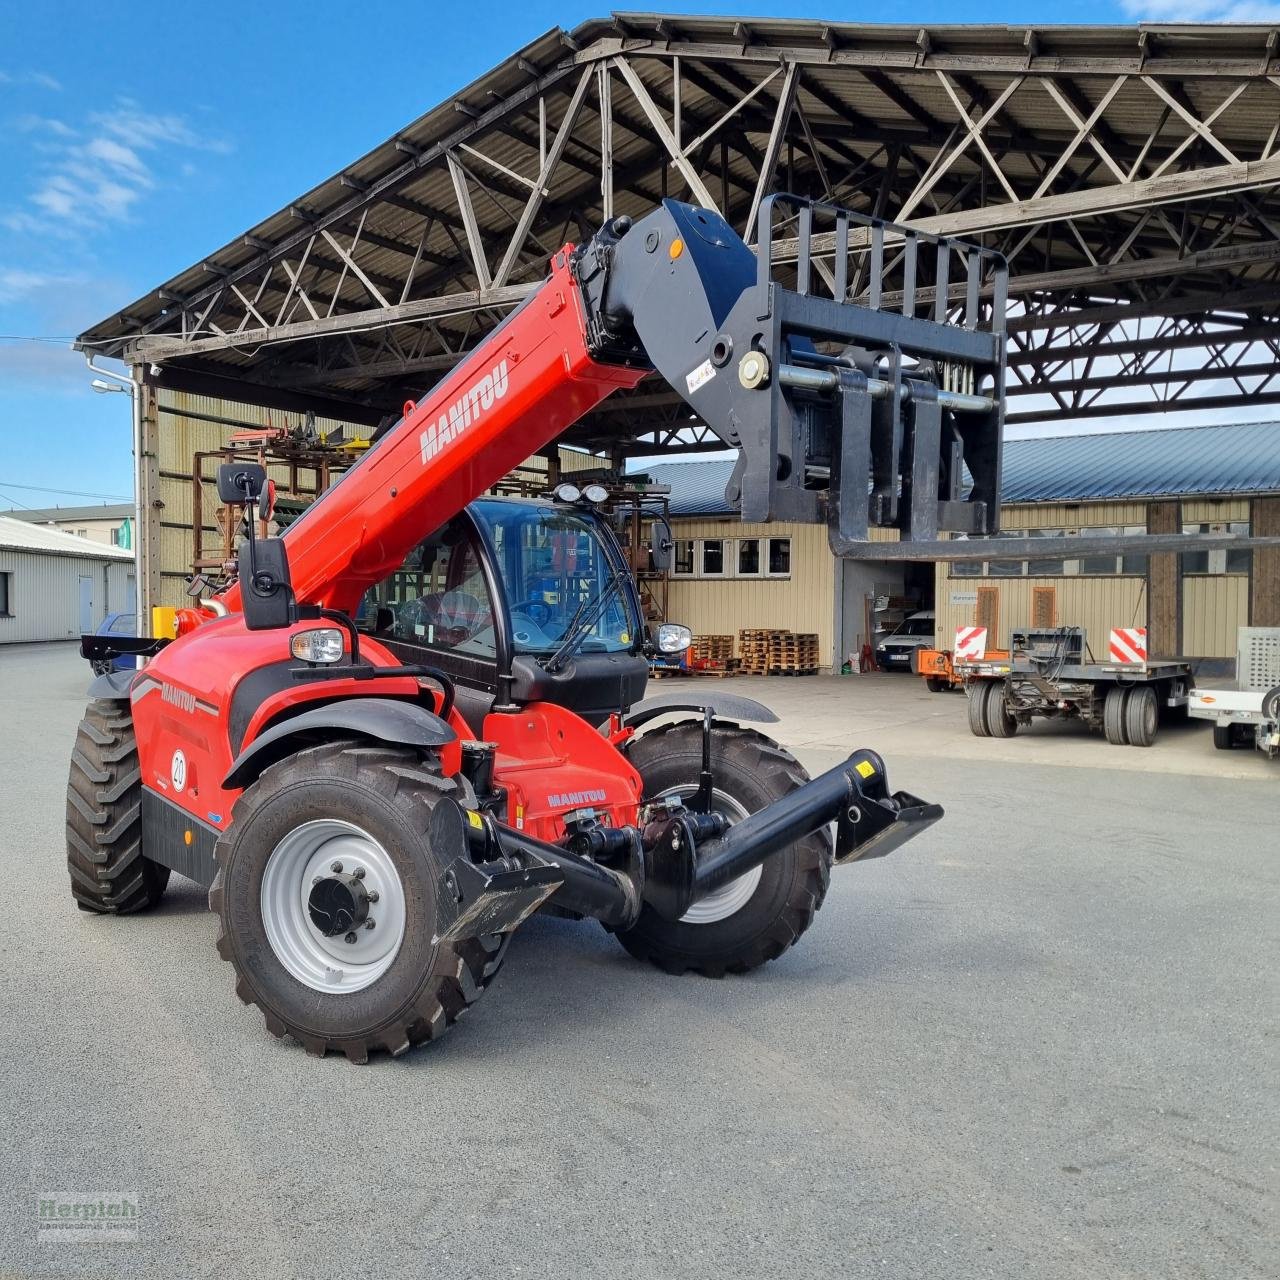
(865, 769)
(474, 818)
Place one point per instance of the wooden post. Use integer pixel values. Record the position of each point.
(1164, 584)
(1264, 588)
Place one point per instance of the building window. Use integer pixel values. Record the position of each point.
(1064, 564)
(731, 558)
(779, 557)
(711, 560)
(6, 595)
(682, 561)
(115, 537)
(1224, 560)
(1006, 568)
(749, 565)
(1046, 568)
(82, 533)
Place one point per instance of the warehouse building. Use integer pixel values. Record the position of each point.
(1218, 479)
(57, 586)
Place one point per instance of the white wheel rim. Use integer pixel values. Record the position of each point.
(735, 895)
(331, 965)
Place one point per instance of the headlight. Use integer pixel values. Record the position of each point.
(320, 644)
(673, 638)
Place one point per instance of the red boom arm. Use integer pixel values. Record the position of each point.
(516, 392)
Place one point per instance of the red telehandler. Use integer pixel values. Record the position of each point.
(418, 717)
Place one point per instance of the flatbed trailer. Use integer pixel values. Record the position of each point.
(1052, 673)
(1250, 713)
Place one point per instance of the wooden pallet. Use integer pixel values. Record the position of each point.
(712, 648)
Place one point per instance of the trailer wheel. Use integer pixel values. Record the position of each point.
(1224, 737)
(756, 917)
(1000, 721)
(1113, 717)
(339, 814)
(1141, 716)
(977, 696)
(104, 817)
(937, 684)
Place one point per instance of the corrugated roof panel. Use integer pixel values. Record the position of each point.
(1170, 462)
(17, 535)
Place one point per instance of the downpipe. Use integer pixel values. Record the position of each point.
(504, 875)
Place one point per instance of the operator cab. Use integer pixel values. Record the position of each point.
(529, 596)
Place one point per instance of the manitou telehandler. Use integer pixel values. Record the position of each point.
(417, 717)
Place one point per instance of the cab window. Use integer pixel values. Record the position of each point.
(437, 599)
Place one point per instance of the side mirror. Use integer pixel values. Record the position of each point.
(661, 546)
(241, 482)
(266, 594)
(674, 638)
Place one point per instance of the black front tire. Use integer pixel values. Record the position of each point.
(1113, 716)
(1000, 721)
(1224, 737)
(977, 697)
(109, 873)
(1141, 716)
(937, 684)
(390, 794)
(754, 771)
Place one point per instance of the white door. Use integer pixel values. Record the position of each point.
(86, 605)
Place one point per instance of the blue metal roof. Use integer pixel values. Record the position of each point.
(1160, 463)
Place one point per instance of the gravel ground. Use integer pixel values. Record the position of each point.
(1037, 1041)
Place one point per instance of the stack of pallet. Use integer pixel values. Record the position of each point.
(792, 653)
(753, 649)
(713, 655)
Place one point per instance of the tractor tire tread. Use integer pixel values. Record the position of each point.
(780, 772)
(461, 971)
(108, 872)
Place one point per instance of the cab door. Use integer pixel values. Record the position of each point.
(438, 609)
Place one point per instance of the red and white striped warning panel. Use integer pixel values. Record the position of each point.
(1128, 644)
(971, 642)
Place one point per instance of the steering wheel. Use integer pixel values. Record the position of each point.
(538, 611)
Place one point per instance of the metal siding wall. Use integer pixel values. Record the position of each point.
(724, 606)
(45, 595)
(1097, 604)
(1213, 608)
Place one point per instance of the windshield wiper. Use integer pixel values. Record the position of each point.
(582, 621)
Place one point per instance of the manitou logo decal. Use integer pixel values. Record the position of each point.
(576, 798)
(178, 697)
(464, 412)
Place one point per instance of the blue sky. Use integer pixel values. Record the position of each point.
(133, 141)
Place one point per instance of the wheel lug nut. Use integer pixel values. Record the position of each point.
(336, 868)
(368, 924)
(373, 895)
(351, 937)
(358, 873)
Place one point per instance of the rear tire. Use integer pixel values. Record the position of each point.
(937, 684)
(1141, 716)
(1000, 721)
(104, 817)
(977, 695)
(373, 806)
(765, 915)
(1113, 717)
(1224, 737)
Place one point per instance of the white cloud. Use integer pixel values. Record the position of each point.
(1201, 10)
(96, 174)
(38, 79)
(17, 283)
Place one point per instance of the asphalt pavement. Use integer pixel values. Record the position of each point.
(1039, 1040)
